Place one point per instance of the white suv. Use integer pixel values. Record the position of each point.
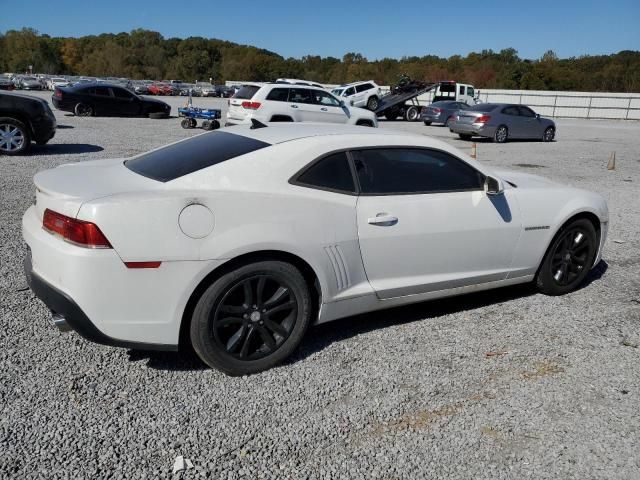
(286, 102)
(360, 94)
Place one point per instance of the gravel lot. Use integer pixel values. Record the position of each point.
(404, 393)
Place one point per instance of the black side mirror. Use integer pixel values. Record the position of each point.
(538, 116)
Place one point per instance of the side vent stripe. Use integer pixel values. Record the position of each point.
(339, 266)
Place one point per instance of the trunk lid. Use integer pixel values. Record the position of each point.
(467, 117)
(64, 189)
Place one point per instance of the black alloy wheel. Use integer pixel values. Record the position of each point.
(251, 318)
(569, 259)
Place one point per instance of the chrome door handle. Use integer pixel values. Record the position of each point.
(324, 109)
(294, 106)
(383, 220)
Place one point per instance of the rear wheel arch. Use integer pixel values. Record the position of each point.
(309, 274)
(365, 123)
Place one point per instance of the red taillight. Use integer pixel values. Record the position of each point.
(482, 119)
(142, 264)
(437, 110)
(251, 105)
(57, 93)
(78, 232)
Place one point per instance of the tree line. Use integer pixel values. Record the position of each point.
(145, 54)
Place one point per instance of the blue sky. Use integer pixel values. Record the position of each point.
(375, 28)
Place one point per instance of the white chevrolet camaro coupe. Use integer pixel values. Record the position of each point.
(235, 241)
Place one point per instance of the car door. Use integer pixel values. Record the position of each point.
(124, 102)
(301, 105)
(426, 224)
(512, 119)
(103, 100)
(531, 125)
(328, 108)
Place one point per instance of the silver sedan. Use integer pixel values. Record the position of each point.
(502, 122)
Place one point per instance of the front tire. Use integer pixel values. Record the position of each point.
(568, 259)
(251, 318)
(549, 134)
(427, 123)
(14, 137)
(464, 136)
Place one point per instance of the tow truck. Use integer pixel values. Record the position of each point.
(404, 104)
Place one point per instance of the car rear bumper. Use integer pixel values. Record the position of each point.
(101, 298)
(473, 129)
(67, 315)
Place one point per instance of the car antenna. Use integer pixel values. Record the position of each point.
(256, 124)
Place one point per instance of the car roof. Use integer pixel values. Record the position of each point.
(281, 132)
(95, 84)
(357, 83)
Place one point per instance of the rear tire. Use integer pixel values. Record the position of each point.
(427, 123)
(501, 135)
(372, 104)
(464, 136)
(83, 110)
(411, 114)
(251, 318)
(568, 259)
(364, 123)
(15, 138)
(392, 115)
(186, 123)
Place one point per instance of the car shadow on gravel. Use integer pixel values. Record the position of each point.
(320, 337)
(65, 149)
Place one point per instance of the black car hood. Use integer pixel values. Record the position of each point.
(153, 101)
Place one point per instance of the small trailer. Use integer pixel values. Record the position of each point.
(403, 102)
(209, 116)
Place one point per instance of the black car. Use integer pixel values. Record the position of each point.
(91, 99)
(24, 119)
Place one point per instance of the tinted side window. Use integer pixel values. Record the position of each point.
(406, 170)
(362, 88)
(278, 94)
(526, 112)
(121, 93)
(331, 173)
(510, 111)
(300, 95)
(193, 154)
(102, 91)
(349, 91)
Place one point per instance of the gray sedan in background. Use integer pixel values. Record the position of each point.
(441, 112)
(502, 122)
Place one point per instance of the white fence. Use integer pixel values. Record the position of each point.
(594, 105)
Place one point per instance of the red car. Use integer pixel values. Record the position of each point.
(160, 89)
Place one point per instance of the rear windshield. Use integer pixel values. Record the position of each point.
(482, 107)
(246, 92)
(188, 156)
